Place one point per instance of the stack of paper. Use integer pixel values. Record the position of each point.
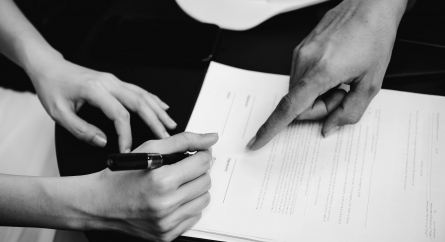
(382, 179)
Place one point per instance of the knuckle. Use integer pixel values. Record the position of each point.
(123, 114)
(197, 217)
(204, 158)
(164, 184)
(57, 107)
(158, 211)
(57, 111)
(285, 105)
(307, 51)
(208, 182)
(303, 53)
(318, 59)
(107, 81)
(373, 89)
(352, 118)
(299, 85)
(185, 137)
(164, 226)
(160, 208)
(80, 130)
(206, 198)
(140, 103)
(107, 76)
(94, 84)
(167, 237)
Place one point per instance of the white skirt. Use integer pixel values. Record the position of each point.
(27, 147)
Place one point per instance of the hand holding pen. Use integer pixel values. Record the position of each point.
(166, 201)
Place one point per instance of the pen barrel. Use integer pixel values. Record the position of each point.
(168, 159)
(134, 161)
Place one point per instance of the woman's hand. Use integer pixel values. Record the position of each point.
(351, 45)
(159, 204)
(63, 87)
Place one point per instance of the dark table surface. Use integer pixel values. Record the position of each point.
(417, 66)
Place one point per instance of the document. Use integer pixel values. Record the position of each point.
(382, 179)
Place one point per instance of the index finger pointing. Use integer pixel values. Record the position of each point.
(299, 98)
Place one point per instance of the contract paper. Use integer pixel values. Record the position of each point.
(382, 179)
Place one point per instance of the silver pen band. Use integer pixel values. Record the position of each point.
(154, 161)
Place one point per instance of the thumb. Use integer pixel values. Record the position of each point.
(323, 105)
(351, 110)
(181, 142)
(81, 129)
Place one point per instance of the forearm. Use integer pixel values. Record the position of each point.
(61, 203)
(21, 42)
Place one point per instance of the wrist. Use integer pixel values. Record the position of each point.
(76, 198)
(46, 202)
(377, 13)
(92, 203)
(39, 61)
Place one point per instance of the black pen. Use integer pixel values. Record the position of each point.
(141, 161)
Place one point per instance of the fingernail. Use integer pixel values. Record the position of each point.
(331, 131)
(166, 135)
(211, 134)
(251, 142)
(100, 140)
(165, 106)
(211, 163)
(173, 123)
(127, 150)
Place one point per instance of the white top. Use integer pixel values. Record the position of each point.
(239, 14)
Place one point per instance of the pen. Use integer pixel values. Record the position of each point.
(141, 161)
